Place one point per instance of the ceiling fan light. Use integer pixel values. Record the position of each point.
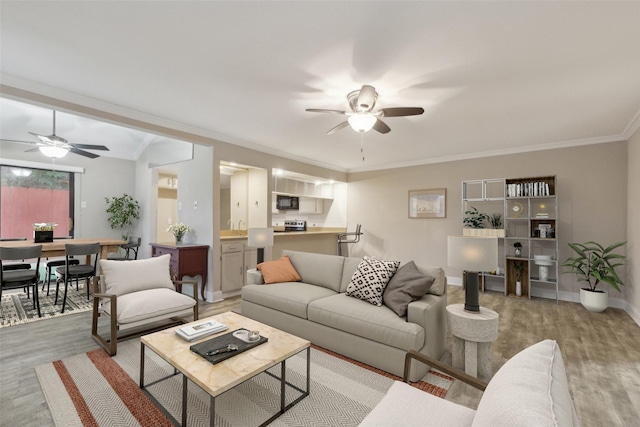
(362, 122)
(55, 152)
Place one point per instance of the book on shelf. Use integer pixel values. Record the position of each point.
(196, 331)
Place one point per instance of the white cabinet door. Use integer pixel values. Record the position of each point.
(311, 205)
(232, 271)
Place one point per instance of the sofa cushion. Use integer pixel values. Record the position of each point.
(289, 297)
(317, 269)
(279, 270)
(370, 279)
(350, 266)
(150, 303)
(404, 405)
(132, 276)
(360, 318)
(439, 286)
(531, 389)
(407, 285)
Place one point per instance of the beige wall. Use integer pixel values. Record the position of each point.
(592, 203)
(633, 228)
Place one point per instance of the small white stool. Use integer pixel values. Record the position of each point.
(473, 334)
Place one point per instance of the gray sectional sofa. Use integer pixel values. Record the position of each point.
(318, 309)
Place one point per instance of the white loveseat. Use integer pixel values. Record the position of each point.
(318, 309)
(530, 390)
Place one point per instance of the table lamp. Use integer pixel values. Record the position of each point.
(472, 254)
(260, 238)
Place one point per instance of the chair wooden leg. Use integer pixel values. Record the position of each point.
(64, 299)
(36, 298)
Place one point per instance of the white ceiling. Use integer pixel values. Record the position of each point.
(493, 77)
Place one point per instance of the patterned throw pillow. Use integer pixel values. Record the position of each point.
(370, 278)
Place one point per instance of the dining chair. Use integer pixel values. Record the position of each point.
(71, 271)
(21, 277)
(130, 250)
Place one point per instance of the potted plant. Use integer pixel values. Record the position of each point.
(593, 264)
(518, 247)
(178, 231)
(518, 267)
(495, 220)
(474, 219)
(43, 232)
(122, 211)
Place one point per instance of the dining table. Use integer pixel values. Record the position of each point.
(56, 248)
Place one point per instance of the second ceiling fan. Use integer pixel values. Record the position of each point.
(362, 118)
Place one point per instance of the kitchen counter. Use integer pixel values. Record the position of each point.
(311, 231)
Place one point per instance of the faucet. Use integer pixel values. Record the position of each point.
(230, 222)
(240, 225)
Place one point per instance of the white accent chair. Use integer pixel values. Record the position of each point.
(531, 389)
(138, 293)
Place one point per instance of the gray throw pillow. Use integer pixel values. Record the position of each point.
(407, 285)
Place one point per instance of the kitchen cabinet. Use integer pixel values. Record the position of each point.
(237, 258)
(311, 205)
(232, 266)
(186, 260)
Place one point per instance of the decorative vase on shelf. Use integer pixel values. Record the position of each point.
(518, 252)
(543, 272)
(518, 288)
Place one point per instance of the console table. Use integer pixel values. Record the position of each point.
(186, 260)
(473, 334)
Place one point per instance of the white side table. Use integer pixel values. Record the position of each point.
(473, 334)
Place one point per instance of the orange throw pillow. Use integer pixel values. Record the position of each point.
(278, 271)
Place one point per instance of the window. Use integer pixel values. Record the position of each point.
(30, 195)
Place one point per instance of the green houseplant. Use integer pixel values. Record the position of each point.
(593, 263)
(122, 211)
(474, 219)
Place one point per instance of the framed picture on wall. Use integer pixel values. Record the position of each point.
(427, 203)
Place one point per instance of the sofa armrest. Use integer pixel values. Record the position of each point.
(434, 363)
(430, 313)
(254, 277)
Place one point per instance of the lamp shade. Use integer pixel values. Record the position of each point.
(362, 122)
(472, 253)
(54, 151)
(260, 237)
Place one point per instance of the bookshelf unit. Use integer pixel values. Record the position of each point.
(529, 211)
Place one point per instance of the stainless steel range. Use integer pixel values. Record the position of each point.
(295, 225)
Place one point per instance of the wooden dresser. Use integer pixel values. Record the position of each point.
(186, 260)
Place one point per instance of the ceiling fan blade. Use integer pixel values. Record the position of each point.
(381, 126)
(337, 128)
(90, 147)
(402, 111)
(83, 153)
(366, 98)
(18, 141)
(321, 110)
(32, 150)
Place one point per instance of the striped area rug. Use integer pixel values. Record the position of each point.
(93, 389)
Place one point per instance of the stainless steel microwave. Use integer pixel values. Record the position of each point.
(287, 203)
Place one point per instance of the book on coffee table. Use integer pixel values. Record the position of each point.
(196, 331)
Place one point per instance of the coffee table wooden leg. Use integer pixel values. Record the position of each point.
(184, 400)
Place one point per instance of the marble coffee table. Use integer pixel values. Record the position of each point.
(221, 377)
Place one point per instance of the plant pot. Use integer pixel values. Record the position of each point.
(42, 236)
(595, 301)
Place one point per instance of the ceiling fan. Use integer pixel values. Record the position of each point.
(362, 118)
(57, 147)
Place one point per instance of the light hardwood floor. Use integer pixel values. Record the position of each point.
(601, 353)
